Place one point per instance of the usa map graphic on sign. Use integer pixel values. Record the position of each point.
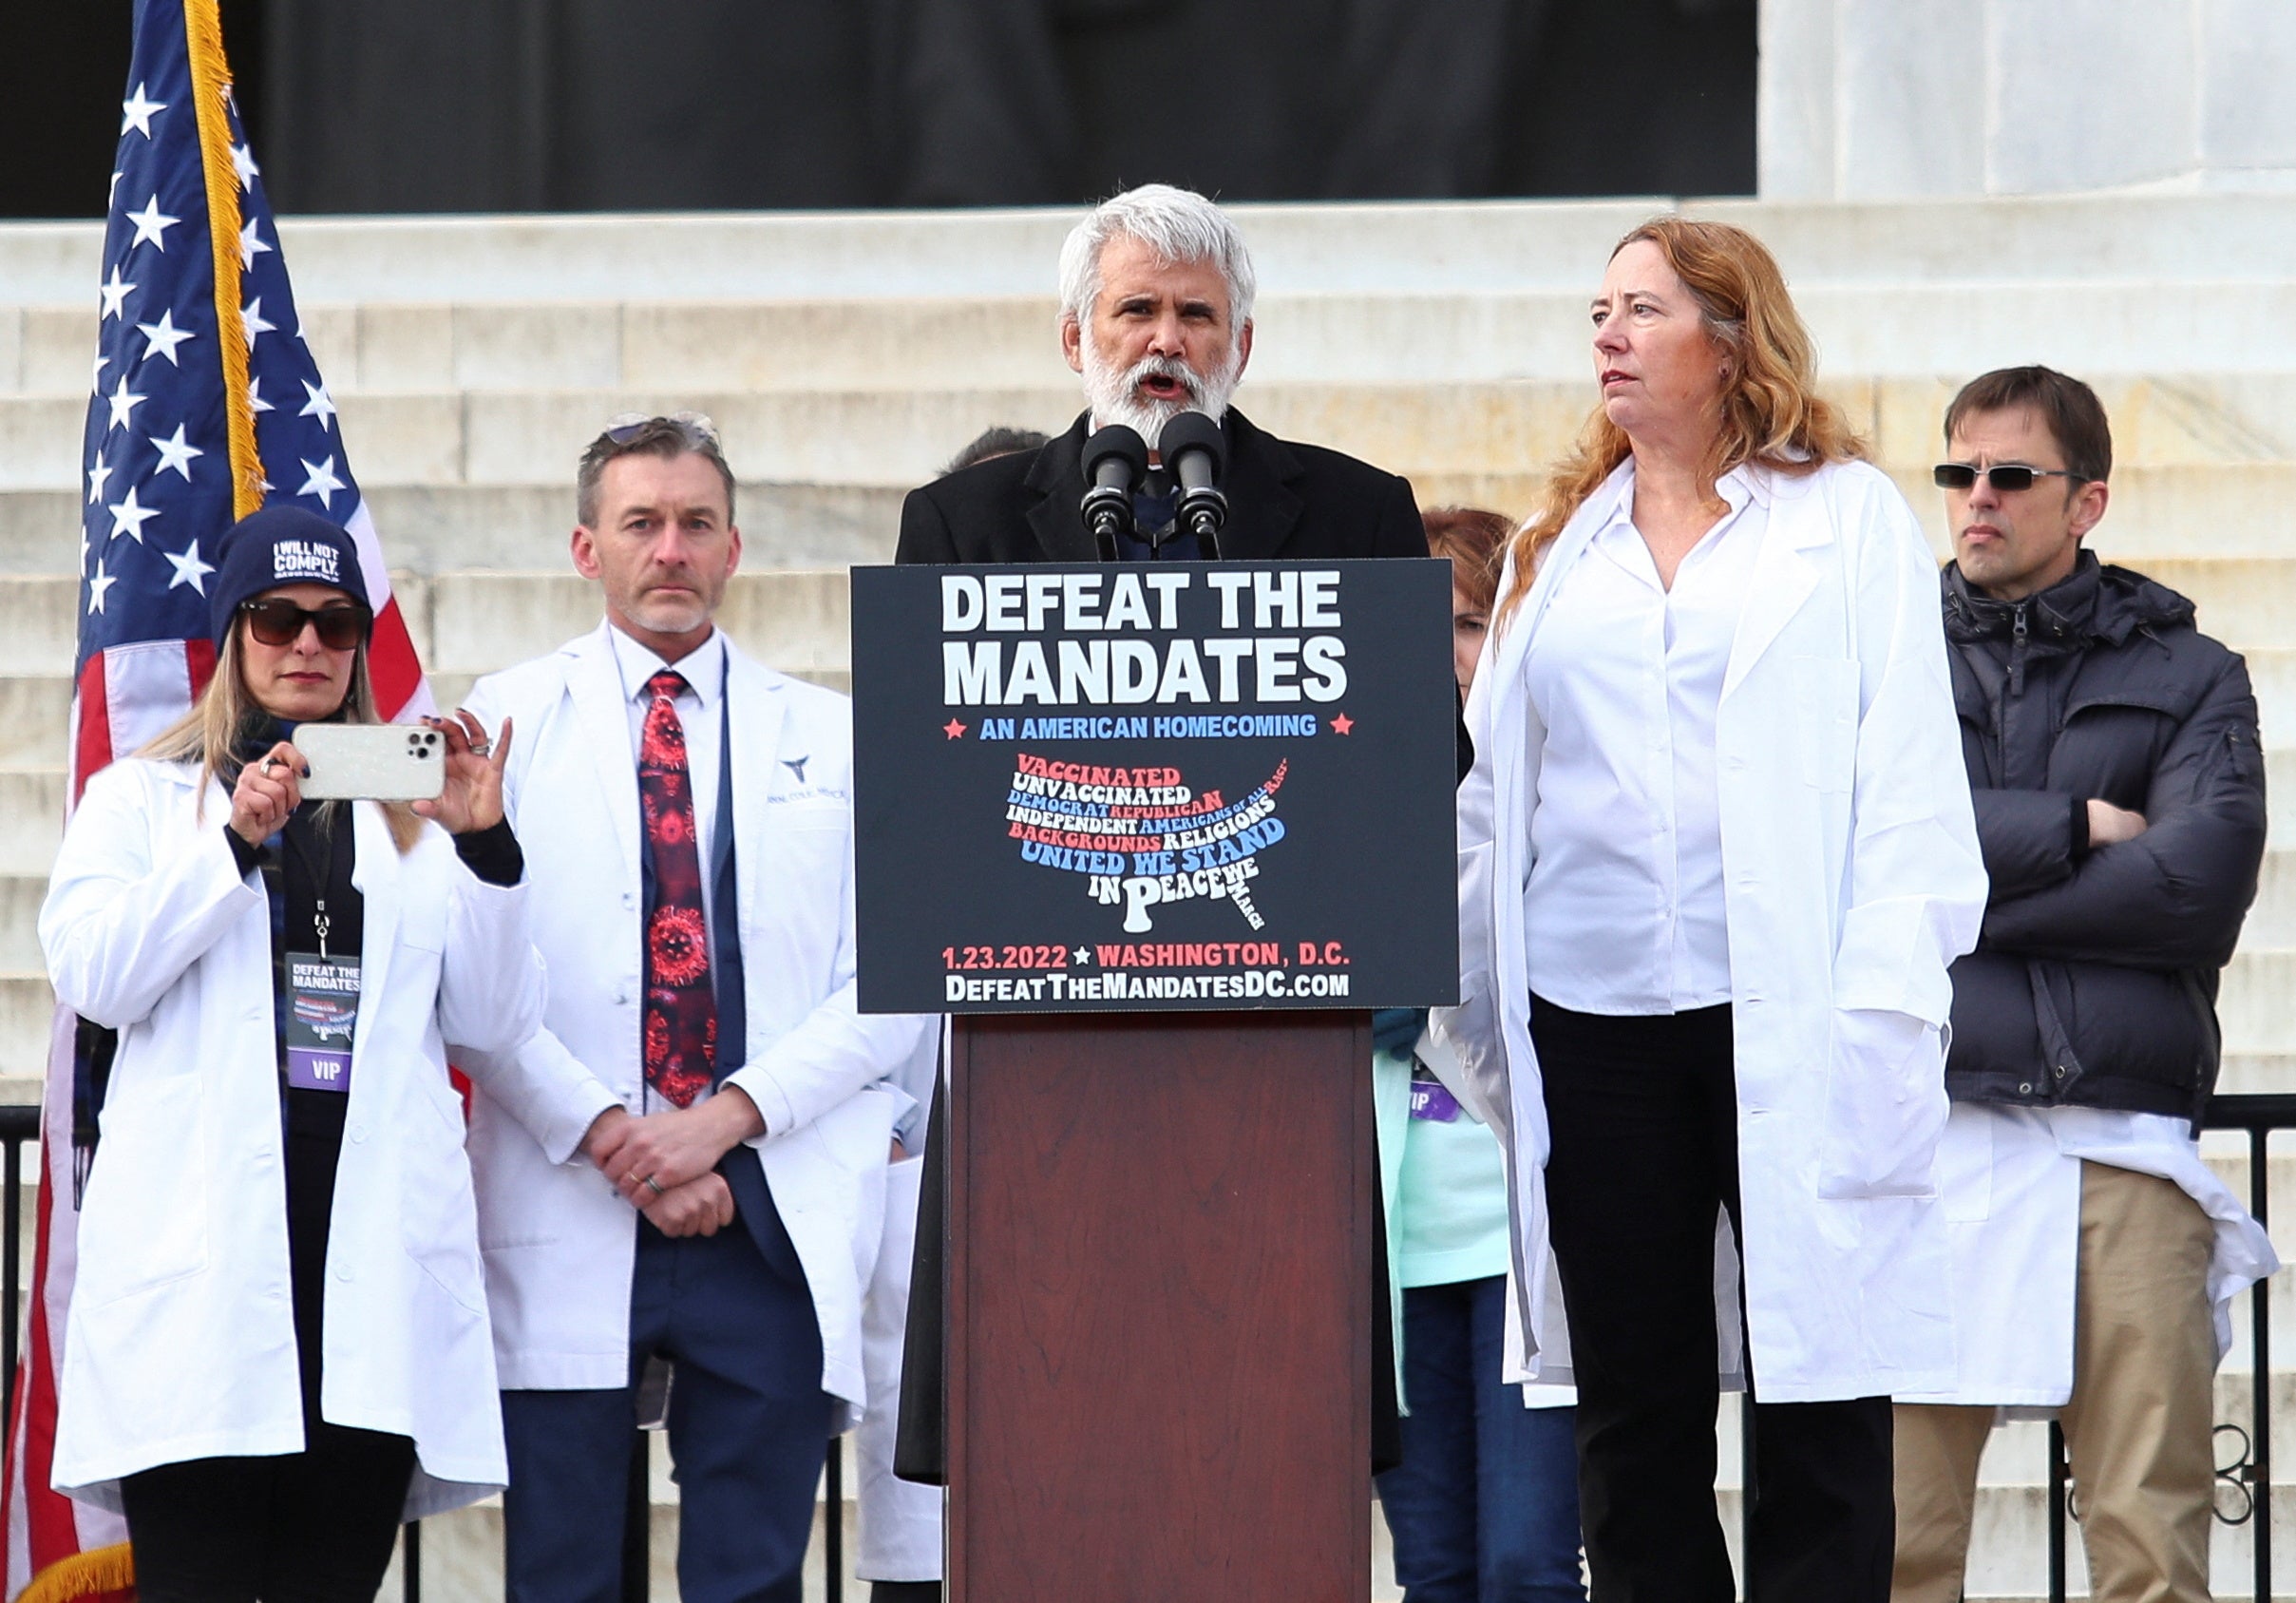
(1142, 837)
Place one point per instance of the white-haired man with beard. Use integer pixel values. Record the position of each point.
(1156, 294)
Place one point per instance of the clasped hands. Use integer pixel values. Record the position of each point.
(665, 1164)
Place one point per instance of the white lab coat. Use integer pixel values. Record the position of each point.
(2011, 1180)
(1853, 880)
(900, 1521)
(180, 1341)
(558, 1242)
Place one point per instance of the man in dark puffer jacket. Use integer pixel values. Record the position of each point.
(2113, 758)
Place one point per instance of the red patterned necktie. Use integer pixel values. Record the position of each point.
(681, 1010)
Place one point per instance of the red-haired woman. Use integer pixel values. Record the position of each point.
(1716, 854)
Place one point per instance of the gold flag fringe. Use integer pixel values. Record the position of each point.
(210, 84)
(92, 1573)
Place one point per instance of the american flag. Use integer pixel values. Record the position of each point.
(205, 403)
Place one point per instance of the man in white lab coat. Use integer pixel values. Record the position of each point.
(2111, 750)
(687, 1161)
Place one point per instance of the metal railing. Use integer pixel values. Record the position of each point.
(638, 1529)
(2249, 1474)
(19, 1124)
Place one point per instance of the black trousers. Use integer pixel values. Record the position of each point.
(310, 1527)
(1644, 1115)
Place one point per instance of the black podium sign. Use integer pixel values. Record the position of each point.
(1154, 786)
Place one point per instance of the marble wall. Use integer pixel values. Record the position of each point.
(1889, 99)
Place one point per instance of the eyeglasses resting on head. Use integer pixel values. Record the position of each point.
(696, 427)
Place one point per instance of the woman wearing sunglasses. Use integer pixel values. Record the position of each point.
(1717, 853)
(277, 1347)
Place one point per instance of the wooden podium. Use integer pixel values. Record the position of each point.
(1158, 835)
(1160, 1306)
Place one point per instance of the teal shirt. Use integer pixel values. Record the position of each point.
(1452, 1203)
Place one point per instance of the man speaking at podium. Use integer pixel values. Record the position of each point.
(1156, 293)
(1156, 314)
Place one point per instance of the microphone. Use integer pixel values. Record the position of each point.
(1196, 453)
(1116, 460)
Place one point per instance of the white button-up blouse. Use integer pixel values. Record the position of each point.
(1623, 913)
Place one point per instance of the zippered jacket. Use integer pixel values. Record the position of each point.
(2093, 982)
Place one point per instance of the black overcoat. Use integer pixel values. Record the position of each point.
(1285, 501)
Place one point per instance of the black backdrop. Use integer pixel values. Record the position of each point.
(602, 105)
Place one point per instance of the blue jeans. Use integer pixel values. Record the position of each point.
(1485, 1506)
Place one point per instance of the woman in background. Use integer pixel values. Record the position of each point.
(1484, 1507)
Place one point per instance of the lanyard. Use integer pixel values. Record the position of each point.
(320, 872)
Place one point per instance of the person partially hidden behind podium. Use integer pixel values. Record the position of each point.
(688, 816)
(1156, 291)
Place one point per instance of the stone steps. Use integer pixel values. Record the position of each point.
(1913, 329)
(835, 433)
(35, 712)
(473, 620)
(2168, 415)
(2245, 1073)
(445, 528)
(2158, 512)
(1300, 248)
(2271, 921)
(27, 1010)
(31, 800)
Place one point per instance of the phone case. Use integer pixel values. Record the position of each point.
(373, 762)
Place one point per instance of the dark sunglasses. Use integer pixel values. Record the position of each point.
(2003, 476)
(276, 620)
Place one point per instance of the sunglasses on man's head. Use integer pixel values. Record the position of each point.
(693, 427)
(276, 620)
(2002, 476)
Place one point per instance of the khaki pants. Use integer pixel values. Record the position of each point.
(2137, 1427)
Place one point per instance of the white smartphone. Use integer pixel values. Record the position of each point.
(373, 762)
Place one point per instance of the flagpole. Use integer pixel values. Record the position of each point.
(210, 83)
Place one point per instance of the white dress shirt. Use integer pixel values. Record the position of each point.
(1623, 913)
(702, 714)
